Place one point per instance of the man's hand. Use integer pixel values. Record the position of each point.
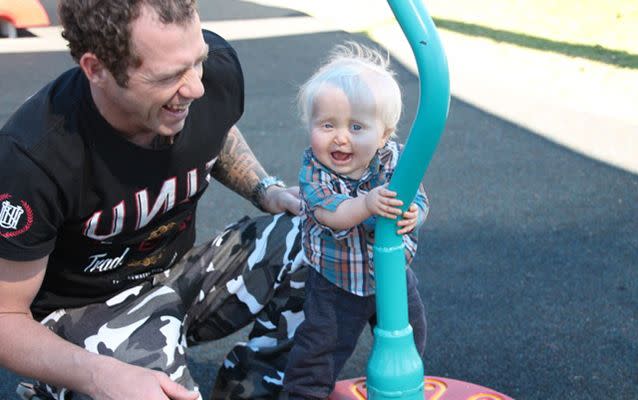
(278, 199)
(409, 220)
(381, 201)
(127, 381)
(239, 170)
(30, 349)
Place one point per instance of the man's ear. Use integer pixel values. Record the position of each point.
(93, 68)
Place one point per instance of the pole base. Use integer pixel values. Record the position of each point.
(435, 389)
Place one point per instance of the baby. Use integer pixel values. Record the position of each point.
(351, 106)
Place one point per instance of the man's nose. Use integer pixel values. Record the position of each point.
(193, 88)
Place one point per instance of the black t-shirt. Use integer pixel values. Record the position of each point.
(108, 212)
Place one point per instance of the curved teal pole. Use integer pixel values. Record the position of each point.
(395, 370)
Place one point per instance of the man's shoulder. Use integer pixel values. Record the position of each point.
(44, 133)
(47, 111)
(221, 54)
(215, 41)
(222, 70)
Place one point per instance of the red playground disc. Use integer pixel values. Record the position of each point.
(435, 389)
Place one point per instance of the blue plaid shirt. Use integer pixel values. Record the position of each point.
(344, 257)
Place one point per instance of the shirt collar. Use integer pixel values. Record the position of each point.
(373, 169)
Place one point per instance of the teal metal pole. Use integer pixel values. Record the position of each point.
(395, 370)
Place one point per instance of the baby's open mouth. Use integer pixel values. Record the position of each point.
(340, 156)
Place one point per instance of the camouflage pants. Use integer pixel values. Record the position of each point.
(250, 272)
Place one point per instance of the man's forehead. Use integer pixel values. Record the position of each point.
(148, 25)
(170, 44)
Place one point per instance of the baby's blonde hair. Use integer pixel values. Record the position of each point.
(343, 69)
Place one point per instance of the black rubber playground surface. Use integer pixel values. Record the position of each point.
(529, 260)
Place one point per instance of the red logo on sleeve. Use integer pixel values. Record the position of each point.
(15, 219)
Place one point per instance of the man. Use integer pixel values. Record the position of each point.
(100, 286)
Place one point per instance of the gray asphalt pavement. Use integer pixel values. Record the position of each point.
(528, 263)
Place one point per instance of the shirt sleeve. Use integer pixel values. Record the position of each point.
(317, 190)
(423, 203)
(30, 212)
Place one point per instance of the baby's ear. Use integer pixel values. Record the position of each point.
(387, 134)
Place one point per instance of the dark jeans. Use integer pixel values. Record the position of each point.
(334, 320)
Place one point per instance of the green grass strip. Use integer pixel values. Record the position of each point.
(598, 53)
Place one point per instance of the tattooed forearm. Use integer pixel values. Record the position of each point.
(237, 168)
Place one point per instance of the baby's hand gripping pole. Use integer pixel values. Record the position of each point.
(395, 370)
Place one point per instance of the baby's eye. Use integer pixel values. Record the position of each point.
(327, 125)
(356, 127)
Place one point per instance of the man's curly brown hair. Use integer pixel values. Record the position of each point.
(103, 27)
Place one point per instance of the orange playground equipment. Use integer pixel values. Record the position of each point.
(16, 14)
(435, 389)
